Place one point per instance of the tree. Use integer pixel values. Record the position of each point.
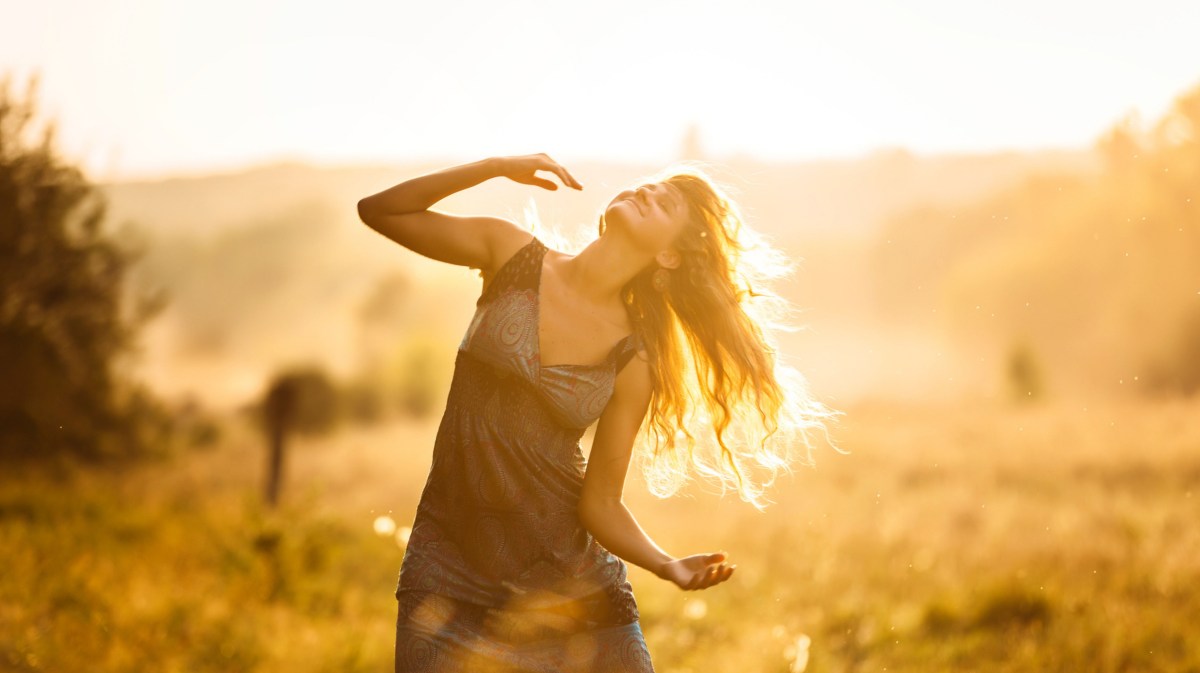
(302, 400)
(65, 320)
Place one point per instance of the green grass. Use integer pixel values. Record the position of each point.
(1032, 539)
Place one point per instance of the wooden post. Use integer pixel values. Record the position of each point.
(280, 410)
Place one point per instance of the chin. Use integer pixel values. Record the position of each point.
(618, 213)
(630, 228)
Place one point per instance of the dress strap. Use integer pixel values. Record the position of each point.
(631, 347)
(518, 272)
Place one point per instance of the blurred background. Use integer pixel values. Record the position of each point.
(219, 389)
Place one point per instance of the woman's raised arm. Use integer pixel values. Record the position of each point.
(401, 213)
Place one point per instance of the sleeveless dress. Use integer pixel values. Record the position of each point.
(499, 574)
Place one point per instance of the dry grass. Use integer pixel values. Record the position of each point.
(1054, 538)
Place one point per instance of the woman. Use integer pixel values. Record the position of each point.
(516, 557)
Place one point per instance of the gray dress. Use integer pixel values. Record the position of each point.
(499, 573)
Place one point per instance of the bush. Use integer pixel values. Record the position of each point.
(64, 319)
(306, 398)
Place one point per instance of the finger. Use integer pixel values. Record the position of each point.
(566, 177)
(574, 183)
(549, 164)
(717, 575)
(543, 183)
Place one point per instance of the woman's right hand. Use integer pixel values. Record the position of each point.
(699, 571)
(523, 169)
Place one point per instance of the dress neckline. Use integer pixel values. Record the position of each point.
(540, 260)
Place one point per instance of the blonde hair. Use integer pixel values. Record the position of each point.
(749, 413)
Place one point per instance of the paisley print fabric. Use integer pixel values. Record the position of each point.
(499, 574)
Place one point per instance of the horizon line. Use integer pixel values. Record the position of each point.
(451, 159)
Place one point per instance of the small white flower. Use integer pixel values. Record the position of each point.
(384, 525)
(798, 653)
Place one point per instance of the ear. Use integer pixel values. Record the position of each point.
(669, 258)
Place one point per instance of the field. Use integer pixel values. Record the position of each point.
(1060, 537)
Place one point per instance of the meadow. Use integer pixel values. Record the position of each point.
(962, 531)
(981, 537)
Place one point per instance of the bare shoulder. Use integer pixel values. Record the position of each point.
(635, 382)
(503, 243)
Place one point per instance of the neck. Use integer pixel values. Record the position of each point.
(601, 269)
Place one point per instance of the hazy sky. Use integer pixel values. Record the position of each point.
(147, 86)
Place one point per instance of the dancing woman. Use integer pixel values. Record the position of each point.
(516, 561)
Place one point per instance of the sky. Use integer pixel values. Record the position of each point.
(148, 88)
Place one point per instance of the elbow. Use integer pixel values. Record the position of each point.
(593, 512)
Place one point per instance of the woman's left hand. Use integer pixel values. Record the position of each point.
(699, 571)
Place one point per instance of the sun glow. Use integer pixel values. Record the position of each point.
(193, 87)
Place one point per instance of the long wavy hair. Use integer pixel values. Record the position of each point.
(725, 405)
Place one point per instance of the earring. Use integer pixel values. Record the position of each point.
(660, 279)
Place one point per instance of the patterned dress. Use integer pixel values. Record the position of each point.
(499, 573)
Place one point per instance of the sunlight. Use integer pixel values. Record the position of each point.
(787, 81)
(993, 216)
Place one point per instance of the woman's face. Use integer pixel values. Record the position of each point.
(653, 215)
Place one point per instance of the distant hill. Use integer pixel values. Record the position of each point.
(826, 198)
(270, 266)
